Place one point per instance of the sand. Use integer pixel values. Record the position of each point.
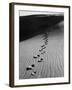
(53, 60)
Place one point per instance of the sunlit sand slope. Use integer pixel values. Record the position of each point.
(52, 64)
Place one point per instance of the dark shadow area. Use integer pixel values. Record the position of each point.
(33, 25)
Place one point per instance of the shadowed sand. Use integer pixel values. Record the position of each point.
(53, 63)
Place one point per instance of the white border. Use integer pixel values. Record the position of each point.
(16, 45)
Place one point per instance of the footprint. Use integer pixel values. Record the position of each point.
(29, 68)
(33, 73)
(33, 65)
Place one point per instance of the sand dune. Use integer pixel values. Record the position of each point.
(53, 60)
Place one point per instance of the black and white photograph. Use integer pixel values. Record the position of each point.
(40, 42)
(41, 45)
